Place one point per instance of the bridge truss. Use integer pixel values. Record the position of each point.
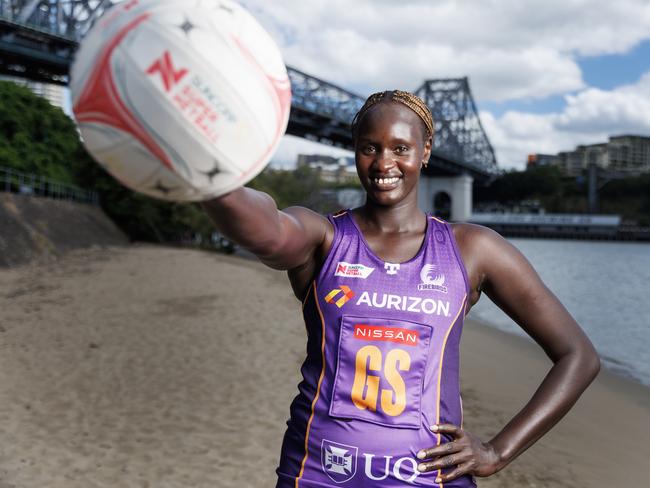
(38, 39)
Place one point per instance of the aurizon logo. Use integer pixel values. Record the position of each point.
(345, 298)
(165, 67)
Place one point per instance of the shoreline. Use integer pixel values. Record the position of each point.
(620, 373)
(153, 366)
(590, 435)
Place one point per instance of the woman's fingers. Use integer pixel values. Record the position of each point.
(441, 450)
(447, 429)
(461, 470)
(445, 448)
(444, 462)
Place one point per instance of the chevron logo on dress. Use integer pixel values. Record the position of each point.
(345, 298)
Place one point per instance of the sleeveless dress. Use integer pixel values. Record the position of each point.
(382, 364)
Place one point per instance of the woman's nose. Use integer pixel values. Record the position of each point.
(385, 160)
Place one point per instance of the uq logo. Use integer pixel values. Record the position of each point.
(339, 462)
(164, 66)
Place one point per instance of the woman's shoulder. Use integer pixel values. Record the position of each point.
(476, 242)
(473, 234)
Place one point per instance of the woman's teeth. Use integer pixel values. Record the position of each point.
(386, 181)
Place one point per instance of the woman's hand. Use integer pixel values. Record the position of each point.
(467, 452)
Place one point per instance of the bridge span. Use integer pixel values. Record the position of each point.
(38, 39)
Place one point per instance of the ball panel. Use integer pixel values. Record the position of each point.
(188, 105)
(126, 159)
(188, 100)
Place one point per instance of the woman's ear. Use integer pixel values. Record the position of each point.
(427, 150)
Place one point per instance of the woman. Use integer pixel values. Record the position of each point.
(385, 288)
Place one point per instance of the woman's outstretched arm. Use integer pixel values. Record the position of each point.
(505, 275)
(280, 239)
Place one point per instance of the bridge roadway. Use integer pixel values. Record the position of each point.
(39, 49)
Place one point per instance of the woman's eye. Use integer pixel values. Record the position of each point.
(401, 149)
(369, 149)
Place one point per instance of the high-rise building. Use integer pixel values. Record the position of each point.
(622, 154)
(542, 160)
(629, 153)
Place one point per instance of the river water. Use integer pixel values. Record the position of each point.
(605, 286)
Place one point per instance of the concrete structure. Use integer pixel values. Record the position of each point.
(35, 227)
(448, 197)
(574, 226)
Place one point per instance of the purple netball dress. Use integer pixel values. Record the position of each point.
(382, 364)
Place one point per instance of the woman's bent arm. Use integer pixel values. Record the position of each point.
(280, 239)
(512, 283)
(505, 275)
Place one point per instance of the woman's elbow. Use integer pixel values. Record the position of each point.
(589, 363)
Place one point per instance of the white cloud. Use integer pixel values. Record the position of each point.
(590, 116)
(510, 49)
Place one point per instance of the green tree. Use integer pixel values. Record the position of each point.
(35, 136)
(514, 186)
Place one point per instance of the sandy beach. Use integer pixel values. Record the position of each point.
(147, 366)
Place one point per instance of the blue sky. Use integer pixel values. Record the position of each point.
(546, 75)
(605, 72)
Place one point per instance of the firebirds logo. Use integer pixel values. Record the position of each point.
(431, 279)
(353, 270)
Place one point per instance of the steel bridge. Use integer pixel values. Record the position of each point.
(38, 39)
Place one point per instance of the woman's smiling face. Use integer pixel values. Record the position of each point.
(390, 147)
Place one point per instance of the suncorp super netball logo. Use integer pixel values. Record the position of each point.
(191, 96)
(165, 67)
(353, 270)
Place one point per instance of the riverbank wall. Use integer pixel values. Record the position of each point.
(34, 227)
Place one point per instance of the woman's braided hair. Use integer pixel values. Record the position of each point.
(413, 102)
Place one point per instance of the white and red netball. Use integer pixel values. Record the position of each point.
(180, 99)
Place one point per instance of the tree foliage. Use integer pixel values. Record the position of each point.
(514, 186)
(628, 197)
(36, 137)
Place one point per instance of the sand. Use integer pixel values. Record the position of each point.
(147, 366)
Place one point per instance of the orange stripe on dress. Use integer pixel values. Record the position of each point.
(439, 220)
(320, 381)
(442, 355)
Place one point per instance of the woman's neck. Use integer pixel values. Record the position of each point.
(404, 217)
